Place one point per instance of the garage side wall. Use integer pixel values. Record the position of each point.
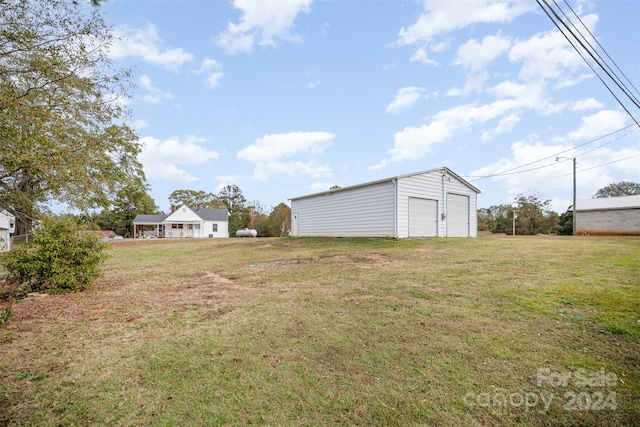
(431, 185)
(367, 211)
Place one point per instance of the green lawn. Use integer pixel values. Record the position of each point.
(487, 331)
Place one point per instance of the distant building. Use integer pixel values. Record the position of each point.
(608, 216)
(7, 228)
(433, 203)
(183, 222)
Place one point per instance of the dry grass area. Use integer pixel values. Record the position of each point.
(487, 331)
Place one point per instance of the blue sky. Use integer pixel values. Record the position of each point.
(286, 98)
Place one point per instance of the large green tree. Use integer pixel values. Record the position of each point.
(534, 215)
(239, 212)
(280, 221)
(129, 202)
(500, 219)
(62, 136)
(618, 189)
(194, 198)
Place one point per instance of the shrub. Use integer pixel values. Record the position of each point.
(58, 259)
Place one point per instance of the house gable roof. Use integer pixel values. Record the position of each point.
(443, 169)
(207, 214)
(213, 214)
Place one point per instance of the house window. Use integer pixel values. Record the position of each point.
(174, 225)
(197, 226)
(214, 227)
(190, 226)
(180, 225)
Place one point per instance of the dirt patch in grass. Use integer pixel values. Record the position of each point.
(367, 259)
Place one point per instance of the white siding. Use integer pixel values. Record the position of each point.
(426, 186)
(457, 215)
(380, 208)
(423, 217)
(431, 185)
(223, 229)
(362, 211)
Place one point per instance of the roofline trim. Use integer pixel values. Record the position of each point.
(391, 179)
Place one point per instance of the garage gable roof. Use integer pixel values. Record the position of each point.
(439, 170)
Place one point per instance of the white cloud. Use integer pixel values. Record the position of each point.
(416, 142)
(269, 153)
(213, 80)
(212, 69)
(549, 55)
(152, 94)
(406, 97)
(161, 159)
(441, 17)
(145, 44)
(421, 55)
(504, 125)
(262, 22)
(139, 124)
(596, 125)
(587, 104)
(475, 56)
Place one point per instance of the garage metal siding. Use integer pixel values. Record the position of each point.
(457, 215)
(362, 211)
(456, 187)
(426, 186)
(381, 208)
(423, 217)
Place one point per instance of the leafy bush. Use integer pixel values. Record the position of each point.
(58, 259)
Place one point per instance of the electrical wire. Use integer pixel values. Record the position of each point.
(559, 23)
(605, 52)
(510, 171)
(563, 175)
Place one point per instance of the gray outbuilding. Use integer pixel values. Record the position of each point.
(432, 203)
(608, 216)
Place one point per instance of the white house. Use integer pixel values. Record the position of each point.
(7, 228)
(433, 203)
(184, 222)
(608, 216)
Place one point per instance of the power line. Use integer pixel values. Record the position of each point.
(605, 52)
(571, 36)
(566, 174)
(510, 171)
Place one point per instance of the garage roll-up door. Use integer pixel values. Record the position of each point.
(423, 217)
(457, 215)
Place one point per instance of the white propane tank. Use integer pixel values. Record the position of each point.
(247, 232)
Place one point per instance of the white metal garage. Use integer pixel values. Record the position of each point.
(423, 217)
(433, 203)
(458, 215)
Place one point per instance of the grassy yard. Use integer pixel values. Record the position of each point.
(532, 331)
